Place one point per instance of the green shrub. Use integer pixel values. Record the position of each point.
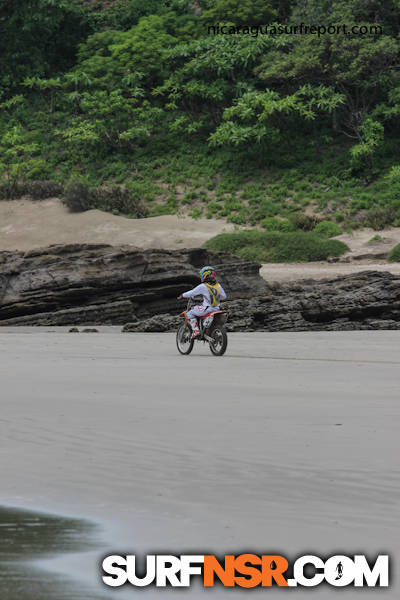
(203, 196)
(79, 197)
(38, 190)
(231, 204)
(328, 228)
(276, 246)
(213, 207)
(266, 208)
(189, 197)
(394, 254)
(169, 208)
(161, 209)
(117, 197)
(381, 217)
(275, 224)
(142, 191)
(377, 239)
(303, 222)
(196, 213)
(238, 219)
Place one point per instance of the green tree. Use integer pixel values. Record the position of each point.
(38, 38)
(264, 116)
(108, 56)
(110, 88)
(241, 12)
(111, 120)
(383, 12)
(360, 68)
(363, 69)
(206, 76)
(18, 160)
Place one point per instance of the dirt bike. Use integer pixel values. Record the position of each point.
(212, 330)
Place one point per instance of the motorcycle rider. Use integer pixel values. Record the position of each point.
(212, 293)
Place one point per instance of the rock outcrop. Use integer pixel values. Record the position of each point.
(368, 300)
(100, 284)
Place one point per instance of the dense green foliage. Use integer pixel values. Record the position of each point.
(250, 127)
(394, 254)
(327, 228)
(277, 247)
(38, 38)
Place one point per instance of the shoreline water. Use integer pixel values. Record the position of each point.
(35, 551)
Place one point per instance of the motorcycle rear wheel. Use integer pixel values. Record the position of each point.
(220, 340)
(184, 341)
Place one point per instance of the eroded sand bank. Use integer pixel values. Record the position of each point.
(27, 224)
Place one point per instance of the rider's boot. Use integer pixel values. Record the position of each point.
(195, 328)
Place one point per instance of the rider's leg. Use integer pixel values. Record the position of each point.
(192, 315)
(195, 327)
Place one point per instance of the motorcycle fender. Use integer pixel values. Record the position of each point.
(220, 318)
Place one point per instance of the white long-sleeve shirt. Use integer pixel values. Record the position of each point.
(202, 290)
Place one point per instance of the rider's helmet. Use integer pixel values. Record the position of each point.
(207, 274)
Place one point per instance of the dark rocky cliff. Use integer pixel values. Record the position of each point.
(368, 300)
(101, 284)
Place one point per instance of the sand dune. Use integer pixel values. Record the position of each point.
(27, 224)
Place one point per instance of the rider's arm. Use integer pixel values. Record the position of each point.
(222, 294)
(197, 291)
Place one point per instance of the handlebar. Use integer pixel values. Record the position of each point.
(193, 301)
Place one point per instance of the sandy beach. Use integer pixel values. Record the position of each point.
(323, 270)
(289, 443)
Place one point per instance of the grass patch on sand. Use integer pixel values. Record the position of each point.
(394, 254)
(277, 247)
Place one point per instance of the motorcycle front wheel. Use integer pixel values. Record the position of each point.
(220, 340)
(184, 341)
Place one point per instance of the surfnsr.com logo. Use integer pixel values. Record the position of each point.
(245, 570)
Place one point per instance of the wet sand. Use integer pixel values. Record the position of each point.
(289, 444)
(26, 538)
